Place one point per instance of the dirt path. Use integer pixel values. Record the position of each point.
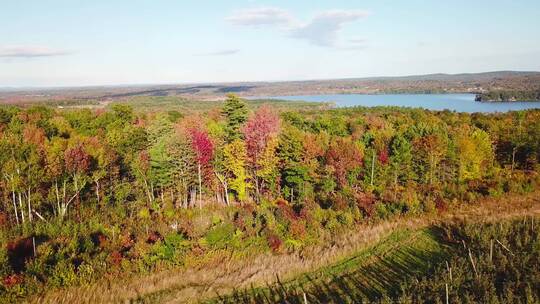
(186, 286)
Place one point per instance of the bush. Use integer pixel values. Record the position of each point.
(220, 235)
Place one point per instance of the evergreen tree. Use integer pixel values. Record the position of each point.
(236, 114)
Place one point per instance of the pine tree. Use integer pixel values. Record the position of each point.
(235, 111)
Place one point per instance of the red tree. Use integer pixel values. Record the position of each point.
(77, 160)
(343, 156)
(204, 150)
(77, 163)
(259, 129)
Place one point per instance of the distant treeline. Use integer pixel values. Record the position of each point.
(509, 96)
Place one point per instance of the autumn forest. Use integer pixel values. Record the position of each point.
(115, 194)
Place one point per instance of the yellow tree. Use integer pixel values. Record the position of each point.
(475, 152)
(235, 158)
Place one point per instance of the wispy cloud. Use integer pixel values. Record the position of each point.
(322, 30)
(261, 16)
(220, 53)
(31, 51)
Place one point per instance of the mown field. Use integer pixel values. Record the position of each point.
(496, 262)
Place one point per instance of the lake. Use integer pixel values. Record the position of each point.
(453, 102)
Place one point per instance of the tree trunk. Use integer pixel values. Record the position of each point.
(147, 190)
(15, 207)
(30, 217)
(97, 191)
(76, 189)
(226, 188)
(21, 208)
(153, 198)
(57, 197)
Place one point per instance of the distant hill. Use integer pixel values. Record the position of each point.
(432, 83)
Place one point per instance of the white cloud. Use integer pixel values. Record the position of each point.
(221, 53)
(260, 16)
(322, 30)
(31, 51)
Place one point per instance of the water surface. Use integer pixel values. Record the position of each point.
(453, 102)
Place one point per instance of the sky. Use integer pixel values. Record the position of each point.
(121, 42)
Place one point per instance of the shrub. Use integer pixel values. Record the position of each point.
(220, 235)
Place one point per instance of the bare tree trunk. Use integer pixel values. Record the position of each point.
(147, 190)
(193, 197)
(223, 182)
(76, 188)
(30, 217)
(226, 188)
(57, 197)
(15, 207)
(21, 208)
(97, 191)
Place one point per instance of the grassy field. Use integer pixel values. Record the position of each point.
(369, 275)
(365, 262)
(492, 262)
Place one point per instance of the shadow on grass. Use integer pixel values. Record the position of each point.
(374, 277)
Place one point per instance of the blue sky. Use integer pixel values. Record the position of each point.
(105, 42)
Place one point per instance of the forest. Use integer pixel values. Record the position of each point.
(110, 194)
(507, 96)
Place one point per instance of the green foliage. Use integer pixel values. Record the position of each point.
(509, 96)
(170, 250)
(236, 114)
(319, 173)
(220, 236)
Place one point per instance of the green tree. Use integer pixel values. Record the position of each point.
(236, 114)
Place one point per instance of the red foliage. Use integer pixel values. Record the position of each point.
(3, 219)
(154, 237)
(383, 157)
(286, 210)
(202, 146)
(34, 135)
(298, 229)
(12, 280)
(144, 160)
(343, 155)
(366, 202)
(128, 241)
(259, 129)
(100, 112)
(77, 160)
(274, 242)
(115, 258)
(441, 205)
(99, 239)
